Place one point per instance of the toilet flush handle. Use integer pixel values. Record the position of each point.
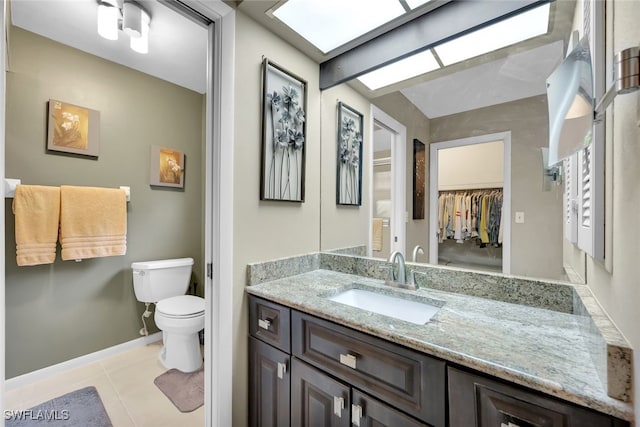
(138, 272)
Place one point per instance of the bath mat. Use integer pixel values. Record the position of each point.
(185, 391)
(80, 408)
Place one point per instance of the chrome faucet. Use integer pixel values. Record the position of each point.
(400, 277)
(416, 251)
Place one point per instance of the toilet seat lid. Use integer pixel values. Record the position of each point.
(181, 306)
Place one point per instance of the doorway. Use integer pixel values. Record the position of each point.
(470, 171)
(218, 207)
(387, 224)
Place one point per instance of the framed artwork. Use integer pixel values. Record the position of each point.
(73, 129)
(166, 167)
(284, 131)
(349, 161)
(419, 179)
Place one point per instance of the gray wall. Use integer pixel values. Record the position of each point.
(536, 245)
(64, 310)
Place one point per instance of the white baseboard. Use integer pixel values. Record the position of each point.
(49, 371)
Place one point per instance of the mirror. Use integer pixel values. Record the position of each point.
(503, 92)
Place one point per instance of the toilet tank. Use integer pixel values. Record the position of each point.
(157, 280)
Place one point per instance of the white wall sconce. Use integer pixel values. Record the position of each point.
(128, 16)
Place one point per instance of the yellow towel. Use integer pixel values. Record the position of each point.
(37, 211)
(93, 222)
(376, 243)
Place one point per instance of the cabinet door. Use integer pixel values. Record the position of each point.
(370, 412)
(478, 401)
(317, 400)
(269, 385)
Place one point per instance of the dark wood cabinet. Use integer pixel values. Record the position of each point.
(318, 400)
(408, 380)
(270, 322)
(475, 400)
(269, 393)
(308, 372)
(374, 413)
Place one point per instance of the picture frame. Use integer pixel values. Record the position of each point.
(349, 156)
(72, 129)
(284, 134)
(419, 179)
(167, 167)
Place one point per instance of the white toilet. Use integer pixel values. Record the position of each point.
(180, 317)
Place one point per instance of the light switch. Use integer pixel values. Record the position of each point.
(519, 217)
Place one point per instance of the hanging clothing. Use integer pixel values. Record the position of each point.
(471, 214)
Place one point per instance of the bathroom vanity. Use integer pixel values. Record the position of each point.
(478, 362)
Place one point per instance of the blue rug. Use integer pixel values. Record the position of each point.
(80, 408)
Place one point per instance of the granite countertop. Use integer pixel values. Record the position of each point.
(534, 347)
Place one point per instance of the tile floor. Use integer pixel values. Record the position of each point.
(125, 384)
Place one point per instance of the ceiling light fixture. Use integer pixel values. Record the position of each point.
(130, 17)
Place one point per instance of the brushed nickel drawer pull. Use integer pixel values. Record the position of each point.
(282, 369)
(338, 406)
(356, 414)
(348, 360)
(264, 324)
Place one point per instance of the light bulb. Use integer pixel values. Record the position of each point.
(141, 44)
(108, 21)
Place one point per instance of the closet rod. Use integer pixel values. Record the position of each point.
(467, 190)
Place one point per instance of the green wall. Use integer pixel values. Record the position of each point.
(64, 310)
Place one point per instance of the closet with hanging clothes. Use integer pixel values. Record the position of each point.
(470, 228)
(470, 198)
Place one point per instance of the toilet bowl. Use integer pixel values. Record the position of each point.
(180, 318)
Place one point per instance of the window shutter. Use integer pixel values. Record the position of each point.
(589, 162)
(569, 199)
(591, 201)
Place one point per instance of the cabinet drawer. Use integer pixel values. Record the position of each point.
(478, 401)
(406, 379)
(270, 322)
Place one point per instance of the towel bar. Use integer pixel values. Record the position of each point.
(11, 184)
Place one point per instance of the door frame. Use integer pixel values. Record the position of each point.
(218, 208)
(398, 179)
(218, 247)
(505, 137)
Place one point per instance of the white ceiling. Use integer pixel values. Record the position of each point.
(177, 45)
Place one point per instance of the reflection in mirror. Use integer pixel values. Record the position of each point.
(469, 212)
(570, 96)
(500, 92)
(382, 192)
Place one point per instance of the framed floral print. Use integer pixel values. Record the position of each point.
(166, 167)
(284, 103)
(349, 161)
(73, 129)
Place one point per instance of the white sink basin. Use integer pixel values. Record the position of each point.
(411, 311)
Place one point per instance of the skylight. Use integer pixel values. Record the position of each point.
(412, 66)
(328, 24)
(504, 33)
